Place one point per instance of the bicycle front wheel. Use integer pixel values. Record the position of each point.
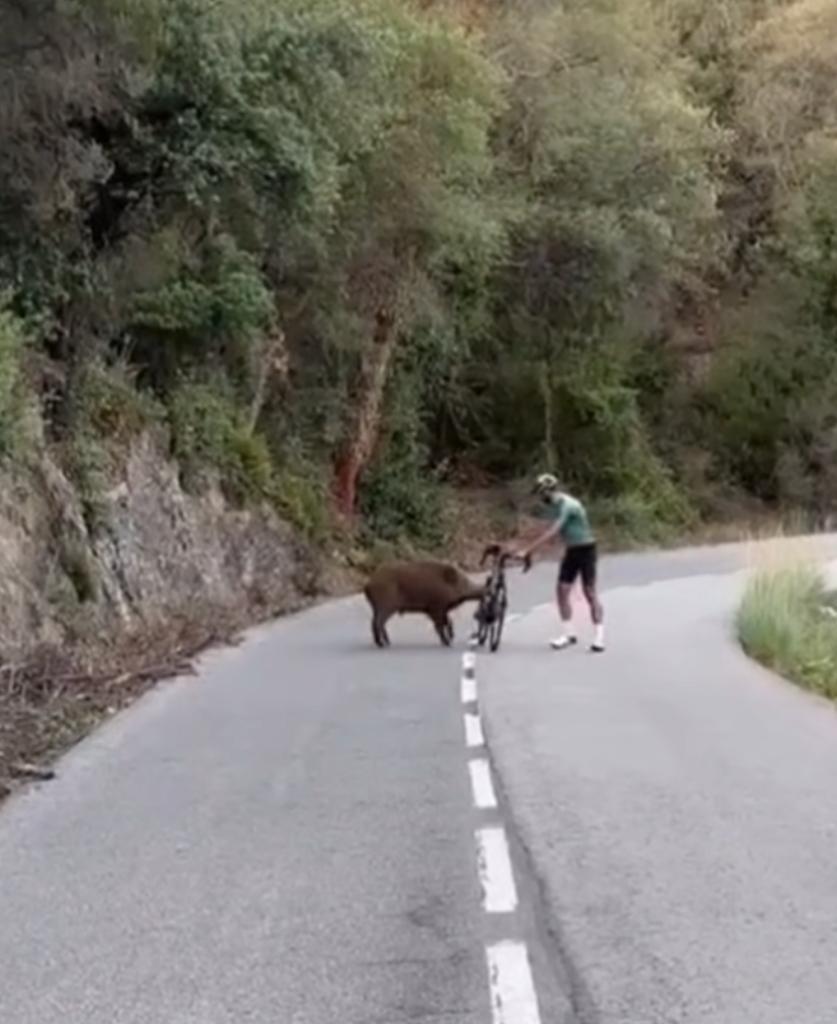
(496, 629)
(480, 635)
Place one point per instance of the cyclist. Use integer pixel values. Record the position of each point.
(580, 558)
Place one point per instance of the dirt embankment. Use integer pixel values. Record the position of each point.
(99, 603)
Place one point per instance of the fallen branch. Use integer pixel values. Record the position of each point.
(60, 693)
(21, 770)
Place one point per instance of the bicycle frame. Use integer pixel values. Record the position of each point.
(491, 611)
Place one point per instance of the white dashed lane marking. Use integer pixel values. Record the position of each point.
(499, 893)
(482, 786)
(512, 989)
(513, 999)
(469, 690)
(473, 731)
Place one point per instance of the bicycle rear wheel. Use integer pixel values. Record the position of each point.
(496, 629)
(480, 634)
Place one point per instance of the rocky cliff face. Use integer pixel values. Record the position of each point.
(153, 551)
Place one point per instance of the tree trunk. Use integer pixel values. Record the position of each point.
(273, 361)
(548, 414)
(362, 434)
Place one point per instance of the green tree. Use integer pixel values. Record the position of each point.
(611, 169)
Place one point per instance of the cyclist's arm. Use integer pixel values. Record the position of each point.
(548, 535)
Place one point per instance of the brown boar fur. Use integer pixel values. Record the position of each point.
(430, 588)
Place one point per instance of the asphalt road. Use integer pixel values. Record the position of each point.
(676, 806)
(292, 837)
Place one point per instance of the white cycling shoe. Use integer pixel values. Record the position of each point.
(561, 643)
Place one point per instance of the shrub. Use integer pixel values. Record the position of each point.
(400, 497)
(209, 437)
(250, 466)
(113, 408)
(112, 412)
(400, 503)
(203, 421)
(630, 519)
(231, 301)
(781, 623)
(78, 566)
(300, 496)
(12, 341)
(89, 465)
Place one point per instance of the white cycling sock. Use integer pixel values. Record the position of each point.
(598, 638)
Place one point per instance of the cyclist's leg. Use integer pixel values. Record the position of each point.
(567, 575)
(588, 581)
(565, 604)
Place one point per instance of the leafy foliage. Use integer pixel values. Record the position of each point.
(12, 340)
(210, 440)
(601, 237)
(401, 500)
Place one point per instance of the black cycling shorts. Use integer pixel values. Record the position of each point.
(580, 560)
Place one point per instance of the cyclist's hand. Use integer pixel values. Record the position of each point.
(526, 559)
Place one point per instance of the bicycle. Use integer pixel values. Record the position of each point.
(491, 611)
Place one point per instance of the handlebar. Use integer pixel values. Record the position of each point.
(504, 557)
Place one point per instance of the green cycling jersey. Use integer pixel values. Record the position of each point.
(570, 516)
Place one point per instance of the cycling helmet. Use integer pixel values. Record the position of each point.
(547, 483)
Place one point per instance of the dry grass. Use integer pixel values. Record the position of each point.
(783, 620)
